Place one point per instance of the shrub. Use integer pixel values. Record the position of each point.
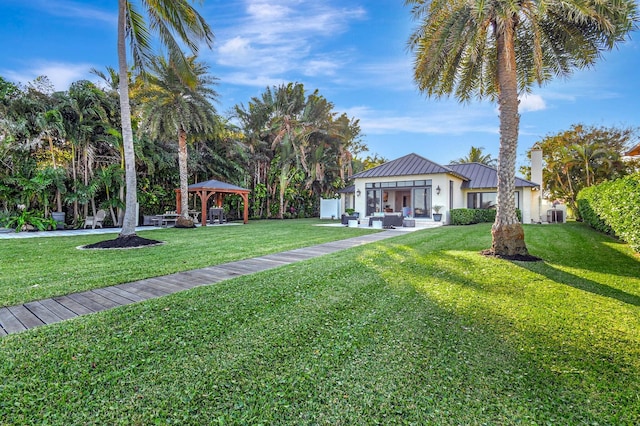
(26, 218)
(614, 207)
(471, 216)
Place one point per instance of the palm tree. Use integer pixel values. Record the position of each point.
(166, 18)
(498, 49)
(52, 127)
(475, 155)
(173, 108)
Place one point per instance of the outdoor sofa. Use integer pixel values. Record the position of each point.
(390, 220)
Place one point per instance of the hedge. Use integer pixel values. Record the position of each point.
(470, 216)
(614, 207)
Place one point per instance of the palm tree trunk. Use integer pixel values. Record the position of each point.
(74, 173)
(507, 232)
(55, 166)
(182, 165)
(130, 219)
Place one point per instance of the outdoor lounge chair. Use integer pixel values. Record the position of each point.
(345, 218)
(391, 220)
(95, 221)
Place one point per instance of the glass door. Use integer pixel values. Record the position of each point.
(422, 202)
(373, 201)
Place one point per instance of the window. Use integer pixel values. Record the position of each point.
(487, 200)
(450, 194)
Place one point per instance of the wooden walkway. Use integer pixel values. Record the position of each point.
(14, 319)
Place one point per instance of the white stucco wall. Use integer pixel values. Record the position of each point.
(528, 198)
(442, 199)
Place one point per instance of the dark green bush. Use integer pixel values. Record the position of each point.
(471, 216)
(462, 216)
(614, 207)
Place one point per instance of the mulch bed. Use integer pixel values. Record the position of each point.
(518, 257)
(128, 242)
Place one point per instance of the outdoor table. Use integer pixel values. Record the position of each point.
(169, 217)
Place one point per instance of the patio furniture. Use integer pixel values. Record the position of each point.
(392, 220)
(93, 221)
(216, 214)
(168, 218)
(155, 220)
(346, 218)
(375, 219)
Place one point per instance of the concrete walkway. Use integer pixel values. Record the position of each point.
(14, 319)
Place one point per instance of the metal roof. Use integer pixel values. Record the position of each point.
(347, 190)
(216, 184)
(411, 164)
(483, 176)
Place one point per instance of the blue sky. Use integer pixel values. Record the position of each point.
(353, 51)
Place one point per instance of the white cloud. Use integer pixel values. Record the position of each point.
(251, 80)
(439, 119)
(279, 37)
(60, 74)
(529, 102)
(236, 52)
(320, 67)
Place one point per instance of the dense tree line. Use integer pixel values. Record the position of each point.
(63, 151)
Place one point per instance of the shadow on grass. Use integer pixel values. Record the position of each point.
(576, 245)
(581, 283)
(493, 325)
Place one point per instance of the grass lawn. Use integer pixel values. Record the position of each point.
(37, 268)
(418, 329)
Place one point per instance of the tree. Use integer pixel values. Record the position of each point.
(475, 155)
(172, 108)
(298, 149)
(166, 18)
(584, 156)
(498, 49)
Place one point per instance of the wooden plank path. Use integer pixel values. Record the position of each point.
(14, 319)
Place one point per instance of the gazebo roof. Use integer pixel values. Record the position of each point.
(216, 185)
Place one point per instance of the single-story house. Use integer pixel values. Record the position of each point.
(412, 185)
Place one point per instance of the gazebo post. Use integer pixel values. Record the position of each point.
(203, 204)
(245, 201)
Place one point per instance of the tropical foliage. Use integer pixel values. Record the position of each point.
(298, 148)
(476, 155)
(498, 49)
(63, 151)
(172, 109)
(584, 156)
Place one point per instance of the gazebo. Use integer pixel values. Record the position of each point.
(206, 190)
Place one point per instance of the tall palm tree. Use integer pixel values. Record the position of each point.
(173, 108)
(166, 18)
(52, 128)
(476, 155)
(497, 49)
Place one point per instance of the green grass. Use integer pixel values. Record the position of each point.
(37, 268)
(419, 329)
